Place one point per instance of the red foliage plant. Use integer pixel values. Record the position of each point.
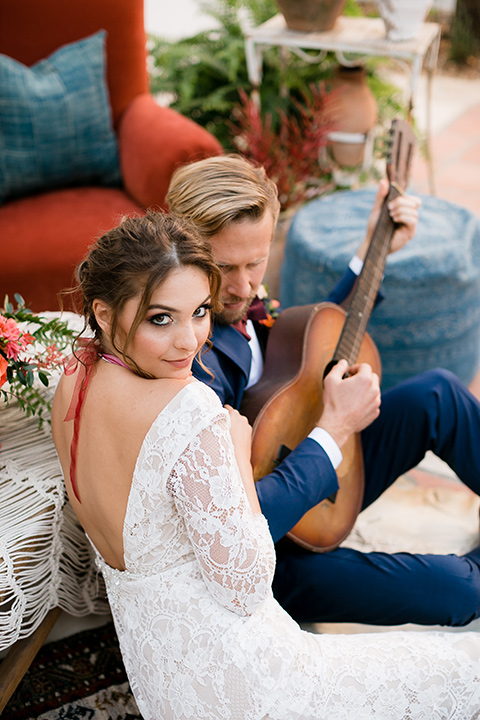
(291, 154)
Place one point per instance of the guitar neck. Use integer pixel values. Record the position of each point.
(367, 286)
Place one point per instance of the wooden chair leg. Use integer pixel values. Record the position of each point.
(20, 656)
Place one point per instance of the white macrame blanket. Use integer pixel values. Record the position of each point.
(45, 559)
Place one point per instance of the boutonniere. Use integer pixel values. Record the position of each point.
(272, 307)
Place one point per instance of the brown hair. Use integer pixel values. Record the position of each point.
(136, 257)
(218, 191)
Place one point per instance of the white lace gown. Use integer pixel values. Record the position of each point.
(200, 632)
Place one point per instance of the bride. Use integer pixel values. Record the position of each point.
(159, 476)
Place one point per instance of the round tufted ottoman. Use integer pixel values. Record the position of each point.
(430, 316)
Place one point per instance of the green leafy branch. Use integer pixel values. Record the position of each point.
(31, 347)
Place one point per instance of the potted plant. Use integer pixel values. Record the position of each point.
(200, 76)
(311, 15)
(288, 149)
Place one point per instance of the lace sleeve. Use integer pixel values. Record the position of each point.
(232, 545)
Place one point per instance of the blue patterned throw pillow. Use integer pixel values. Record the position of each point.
(55, 121)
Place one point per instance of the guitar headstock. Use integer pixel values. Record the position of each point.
(400, 154)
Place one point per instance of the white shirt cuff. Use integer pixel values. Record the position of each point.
(356, 265)
(326, 441)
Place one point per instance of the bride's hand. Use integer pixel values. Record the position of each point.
(241, 433)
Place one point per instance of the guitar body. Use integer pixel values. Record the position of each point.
(286, 403)
(303, 345)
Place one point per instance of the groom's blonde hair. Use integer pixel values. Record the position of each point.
(218, 191)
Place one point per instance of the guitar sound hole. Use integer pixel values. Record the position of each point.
(328, 367)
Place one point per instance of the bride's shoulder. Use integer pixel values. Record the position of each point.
(162, 397)
(192, 395)
(190, 409)
(201, 390)
(192, 399)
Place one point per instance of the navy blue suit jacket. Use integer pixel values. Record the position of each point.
(306, 476)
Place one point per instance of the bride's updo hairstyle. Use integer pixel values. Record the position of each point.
(134, 259)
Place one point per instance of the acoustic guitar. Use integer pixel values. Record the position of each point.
(304, 344)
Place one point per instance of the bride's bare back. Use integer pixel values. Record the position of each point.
(118, 410)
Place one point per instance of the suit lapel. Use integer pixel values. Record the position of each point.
(232, 344)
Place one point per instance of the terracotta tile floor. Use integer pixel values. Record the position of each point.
(456, 161)
(455, 143)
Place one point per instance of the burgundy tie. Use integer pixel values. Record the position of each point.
(256, 311)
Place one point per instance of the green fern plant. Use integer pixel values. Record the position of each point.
(202, 75)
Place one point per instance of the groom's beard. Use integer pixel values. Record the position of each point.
(230, 317)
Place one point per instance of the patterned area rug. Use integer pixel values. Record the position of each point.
(81, 677)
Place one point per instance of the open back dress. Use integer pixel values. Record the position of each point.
(202, 636)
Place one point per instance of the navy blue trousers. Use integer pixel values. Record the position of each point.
(432, 411)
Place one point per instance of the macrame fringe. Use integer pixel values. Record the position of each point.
(46, 560)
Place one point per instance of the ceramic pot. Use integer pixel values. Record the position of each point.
(310, 15)
(354, 110)
(403, 18)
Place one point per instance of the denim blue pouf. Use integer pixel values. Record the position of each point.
(431, 313)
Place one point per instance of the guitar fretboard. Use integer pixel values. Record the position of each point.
(367, 286)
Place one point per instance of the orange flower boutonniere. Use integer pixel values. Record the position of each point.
(272, 307)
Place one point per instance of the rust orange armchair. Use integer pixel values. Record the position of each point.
(45, 231)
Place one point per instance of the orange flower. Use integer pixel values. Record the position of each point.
(26, 339)
(9, 329)
(3, 370)
(12, 340)
(9, 337)
(268, 321)
(50, 358)
(22, 361)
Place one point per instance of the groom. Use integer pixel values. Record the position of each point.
(236, 207)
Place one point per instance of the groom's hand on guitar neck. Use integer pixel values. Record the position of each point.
(351, 396)
(351, 400)
(404, 212)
